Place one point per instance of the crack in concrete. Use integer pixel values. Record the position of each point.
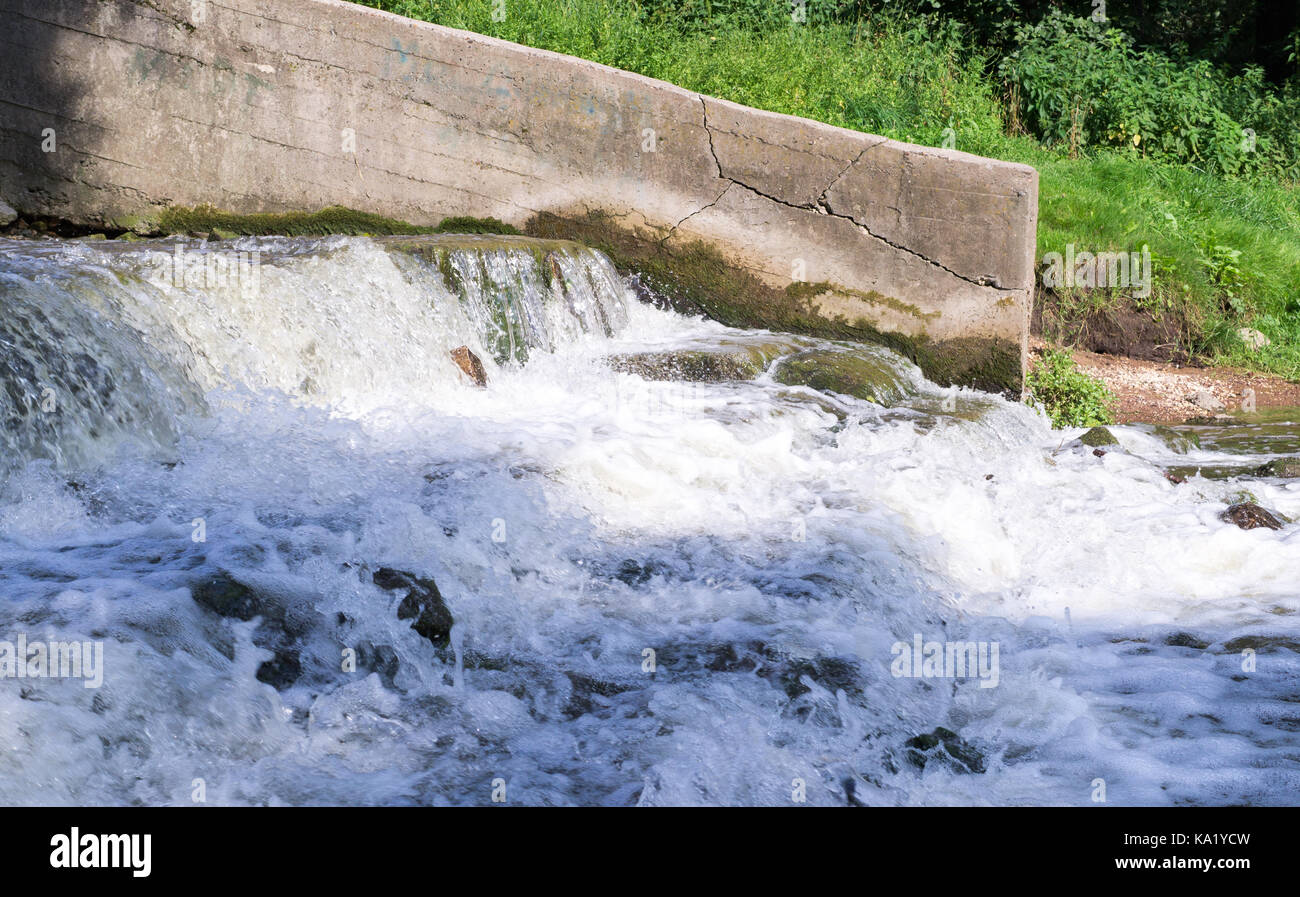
(822, 206)
(716, 199)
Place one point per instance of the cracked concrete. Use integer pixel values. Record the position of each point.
(251, 109)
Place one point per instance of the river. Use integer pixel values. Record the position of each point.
(665, 591)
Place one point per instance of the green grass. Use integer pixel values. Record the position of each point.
(911, 80)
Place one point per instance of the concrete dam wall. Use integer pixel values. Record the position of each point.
(116, 110)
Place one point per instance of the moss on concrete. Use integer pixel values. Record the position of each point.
(464, 224)
(694, 278)
(206, 219)
(331, 220)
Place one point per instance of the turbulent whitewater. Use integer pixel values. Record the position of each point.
(665, 590)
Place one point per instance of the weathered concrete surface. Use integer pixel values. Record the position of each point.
(276, 105)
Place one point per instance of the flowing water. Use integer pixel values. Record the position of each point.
(664, 592)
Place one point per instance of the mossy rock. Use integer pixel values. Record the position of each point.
(714, 364)
(1287, 468)
(843, 372)
(1176, 441)
(1098, 437)
(1248, 515)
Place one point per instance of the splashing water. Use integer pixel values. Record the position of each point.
(664, 591)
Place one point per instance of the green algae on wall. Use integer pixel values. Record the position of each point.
(330, 220)
(694, 278)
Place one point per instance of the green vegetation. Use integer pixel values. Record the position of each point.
(330, 220)
(1191, 149)
(1069, 396)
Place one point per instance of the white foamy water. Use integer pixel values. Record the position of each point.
(765, 545)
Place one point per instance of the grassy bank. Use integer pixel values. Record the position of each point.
(1222, 223)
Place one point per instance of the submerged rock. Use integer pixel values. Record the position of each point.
(852, 373)
(1186, 640)
(1176, 441)
(280, 671)
(946, 747)
(1249, 515)
(381, 659)
(470, 364)
(227, 597)
(704, 364)
(423, 604)
(1288, 468)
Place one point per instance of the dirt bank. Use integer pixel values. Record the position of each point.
(1161, 392)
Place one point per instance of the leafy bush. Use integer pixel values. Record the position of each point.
(1069, 396)
(1083, 84)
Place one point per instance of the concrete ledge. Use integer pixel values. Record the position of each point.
(278, 105)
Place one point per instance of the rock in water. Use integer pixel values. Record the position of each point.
(226, 597)
(1249, 515)
(423, 603)
(1288, 468)
(470, 364)
(947, 747)
(1097, 437)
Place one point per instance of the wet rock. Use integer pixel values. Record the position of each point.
(470, 364)
(1288, 468)
(946, 747)
(1253, 338)
(1261, 644)
(381, 659)
(832, 673)
(707, 364)
(280, 671)
(1249, 515)
(1176, 441)
(852, 373)
(7, 214)
(1186, 640)
(423, 604)
(1098, 437)
(587, 692)
(226, 597)
(1176, 478)
(1207, 401)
